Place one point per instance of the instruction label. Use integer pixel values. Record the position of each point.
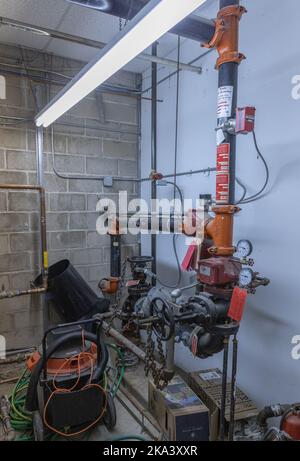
(220, 136)
(225, 96)
(210, 375)
(222, 187)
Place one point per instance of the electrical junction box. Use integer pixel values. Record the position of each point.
(219, 270)
(245, 120)
(181, 415)
(207, 384)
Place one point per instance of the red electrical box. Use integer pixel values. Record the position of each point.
(245, 120)
(219, 271)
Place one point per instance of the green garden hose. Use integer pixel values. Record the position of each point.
(117, 382)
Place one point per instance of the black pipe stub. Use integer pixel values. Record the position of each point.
(73, 298)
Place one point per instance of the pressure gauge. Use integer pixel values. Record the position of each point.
(246, 277)
(244, 249)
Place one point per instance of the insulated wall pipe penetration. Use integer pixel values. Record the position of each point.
(194, 27)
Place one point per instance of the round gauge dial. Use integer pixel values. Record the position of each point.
(246, 277)
(244, 249)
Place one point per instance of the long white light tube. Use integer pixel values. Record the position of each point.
(151, 23)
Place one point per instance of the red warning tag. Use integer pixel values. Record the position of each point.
(188, 262)
(237, 305)
(222, 189)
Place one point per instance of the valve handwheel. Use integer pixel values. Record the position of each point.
(164, 326)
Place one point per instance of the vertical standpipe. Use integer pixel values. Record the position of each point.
(226, 142)
(154, 150)
(226, 41)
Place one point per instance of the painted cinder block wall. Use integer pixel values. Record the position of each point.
(71, 204)
(267, 371)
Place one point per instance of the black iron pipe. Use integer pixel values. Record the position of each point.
(154, 152)
(228, 77)
(194, 27)
(224, 390)
(115, 256)
(233, 388)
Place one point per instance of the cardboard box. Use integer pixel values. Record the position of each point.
(181, 415)
(207, 384)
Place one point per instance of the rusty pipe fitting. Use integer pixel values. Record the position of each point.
(226, 37)
(109, 286)
(220, 230)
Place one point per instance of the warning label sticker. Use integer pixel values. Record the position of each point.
(222, 187)
(225, 95)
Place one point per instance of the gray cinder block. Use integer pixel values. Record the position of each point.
(71, 239)
(67, 202)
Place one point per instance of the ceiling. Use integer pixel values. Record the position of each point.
(66, 17)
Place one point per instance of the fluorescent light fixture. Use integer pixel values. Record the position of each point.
(94, 4)
(16, 25)
(151, 23)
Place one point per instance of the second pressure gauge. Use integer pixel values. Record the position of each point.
(246, 277)
(244, 249)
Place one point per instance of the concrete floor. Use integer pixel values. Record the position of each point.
(126, 425)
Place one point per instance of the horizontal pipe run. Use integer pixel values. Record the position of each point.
(103, 89)
(17, 293)
(124, 341)
(9, 380)
(170, 63)
(19, 120)
(178, 70)
(94, 44)
(19, 358)
(20, 187)
(136, 180)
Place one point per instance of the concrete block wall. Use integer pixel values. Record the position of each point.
(101, 139)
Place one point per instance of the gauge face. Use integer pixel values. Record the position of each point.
(246, 277)
(244, 249)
